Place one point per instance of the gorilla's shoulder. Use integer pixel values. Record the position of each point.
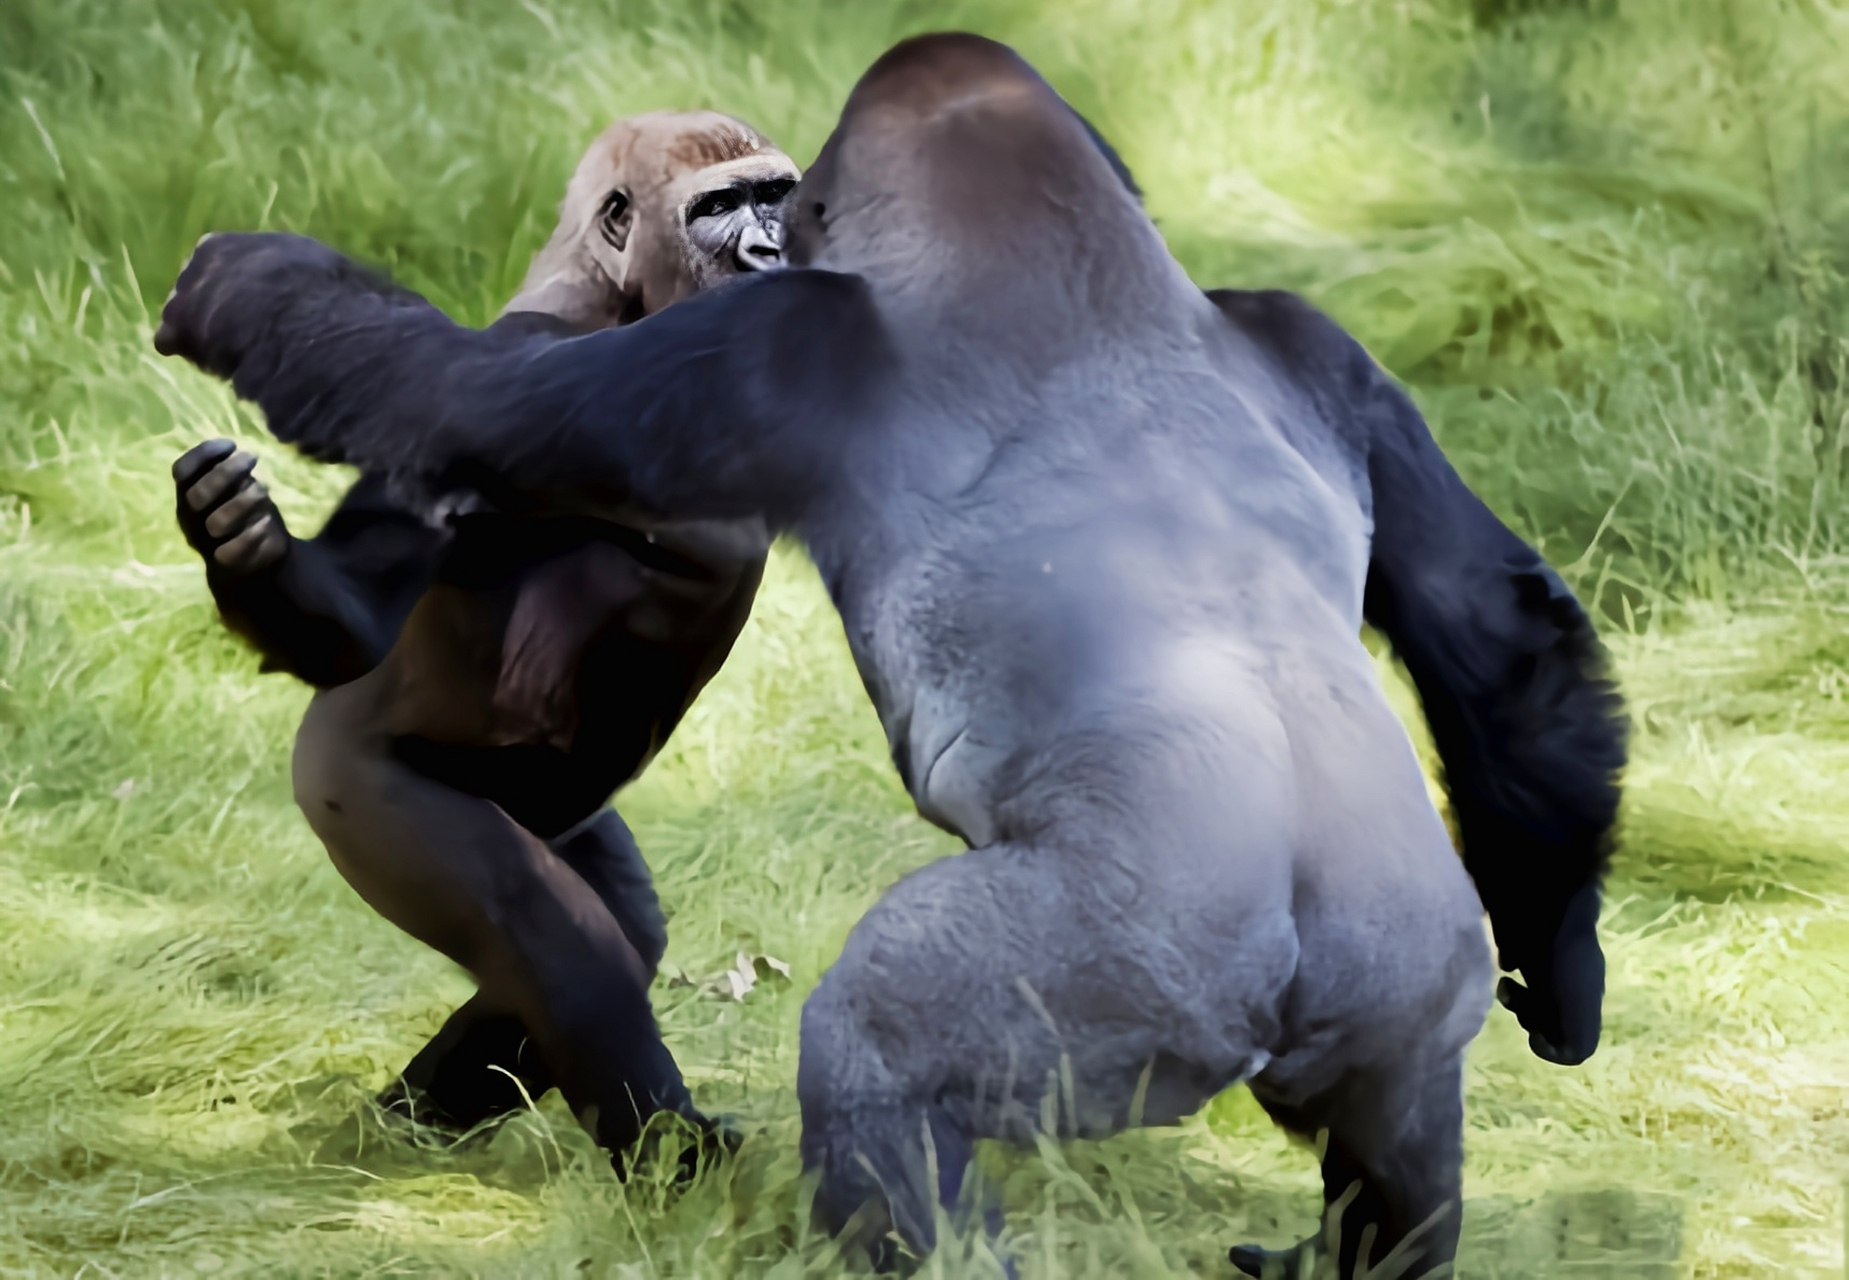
(1335, 382)
(1312, 348)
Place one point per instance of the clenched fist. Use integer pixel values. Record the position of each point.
(231, 291)
(297, 329)
(225, 512)
(1560, 1005)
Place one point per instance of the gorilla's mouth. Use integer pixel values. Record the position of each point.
(758, 250)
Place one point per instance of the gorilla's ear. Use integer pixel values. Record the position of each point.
(1514, 683)
(1117, 164)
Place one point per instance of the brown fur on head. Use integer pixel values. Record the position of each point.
(622, 249)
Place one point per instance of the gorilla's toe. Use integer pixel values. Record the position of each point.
(1269, 1264)
(719, 1136)
(419, 1111)
(696, 1142)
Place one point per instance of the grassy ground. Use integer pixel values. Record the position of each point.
(1605, 240)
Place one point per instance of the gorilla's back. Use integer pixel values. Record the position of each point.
(1090, 608)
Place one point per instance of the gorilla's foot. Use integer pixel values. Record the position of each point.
(421, 1118)
(697, 1141)
(1295, 1263)
(718, 1136)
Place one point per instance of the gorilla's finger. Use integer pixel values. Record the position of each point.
(1530, 1008)
(1575, 991)
(237, 511)
(1562, 1026)
(220, 480)
(257, 547)
(1516, 998)
(167, 336)
(174, 337)
(1547, 1051)
(189, 465)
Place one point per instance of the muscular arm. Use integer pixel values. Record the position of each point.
(325, 609)
(1527, 722)
(729, 404)
(1513, 681)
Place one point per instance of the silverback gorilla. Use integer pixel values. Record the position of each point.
(1102, 545)
(492, 677)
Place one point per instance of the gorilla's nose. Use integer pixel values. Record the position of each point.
(758, 250)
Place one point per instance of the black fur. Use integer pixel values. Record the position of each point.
(732, 350)
(331, 609)
(1513, 680)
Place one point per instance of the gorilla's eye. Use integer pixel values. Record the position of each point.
(714, 204)
(773, 191)
(610, 218)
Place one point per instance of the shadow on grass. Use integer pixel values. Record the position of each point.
(1607, 1232)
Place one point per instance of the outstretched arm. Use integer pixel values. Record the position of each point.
(325, 609)
(728, 404)
(1528, 724)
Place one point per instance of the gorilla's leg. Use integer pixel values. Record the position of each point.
(894, 1041)
(482, 1064)
(603, 852)
(882, 1169)
(455, 873)
(1013, 990)
(1392, 1169)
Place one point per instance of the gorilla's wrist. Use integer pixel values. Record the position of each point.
(277, 571)
(1536, 941)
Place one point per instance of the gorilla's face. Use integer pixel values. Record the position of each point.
(662, 205)
(733, 221)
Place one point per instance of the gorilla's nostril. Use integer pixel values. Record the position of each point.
(758, 250)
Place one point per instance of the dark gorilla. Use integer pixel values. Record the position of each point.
(1102, 545)
(492, 677)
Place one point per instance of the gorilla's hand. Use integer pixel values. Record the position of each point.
(203, 320)
(332, 352)
(224, 510)
(239, 286)
(1559, 1007)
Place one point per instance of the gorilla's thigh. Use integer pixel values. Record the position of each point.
(1006, 990)
(456, 873)
(1387, 1090)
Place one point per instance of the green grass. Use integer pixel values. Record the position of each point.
(1607, 241)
